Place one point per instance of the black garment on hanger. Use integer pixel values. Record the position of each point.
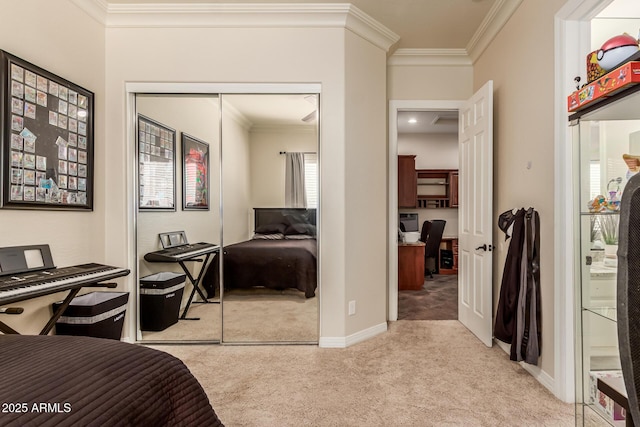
(505, 324)
(518, 316)
(532, 338)
(504, 222)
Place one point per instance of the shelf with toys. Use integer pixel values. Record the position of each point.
(606, 136)
(614, 73)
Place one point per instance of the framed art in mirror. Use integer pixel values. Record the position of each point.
(46, 139)
(156, 165)
(195, 170)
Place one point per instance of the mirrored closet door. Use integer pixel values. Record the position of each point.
(236, 177)
(178, 219)
(270, 200)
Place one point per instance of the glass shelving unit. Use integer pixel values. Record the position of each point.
(602, 134)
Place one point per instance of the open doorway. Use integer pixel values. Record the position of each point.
(427, 150)
(475, 207)
(397, 109)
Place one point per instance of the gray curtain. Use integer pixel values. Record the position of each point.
(294, 196)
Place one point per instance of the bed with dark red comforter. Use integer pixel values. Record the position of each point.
(82, 381)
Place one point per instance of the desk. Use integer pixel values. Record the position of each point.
(410, 266)
(451, 244)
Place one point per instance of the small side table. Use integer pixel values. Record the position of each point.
(410, 266)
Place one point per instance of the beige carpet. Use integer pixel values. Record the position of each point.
(206, 328)
(267, 315)
(250, 316)
(419, 373)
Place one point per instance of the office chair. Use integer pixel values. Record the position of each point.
(433, 237)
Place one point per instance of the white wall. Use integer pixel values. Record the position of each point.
(523, 133)
(602, 29)
(429, 82)
(236, 168)
(194, 116)
(433, 151)
(268, 165)
(70, 46)
(366, 185)
(615, 139)
(276, 55)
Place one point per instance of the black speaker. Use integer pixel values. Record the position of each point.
(629, 292)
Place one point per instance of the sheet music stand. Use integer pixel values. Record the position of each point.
(173, 239)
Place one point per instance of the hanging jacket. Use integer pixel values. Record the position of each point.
(505, 323)
(518, 316)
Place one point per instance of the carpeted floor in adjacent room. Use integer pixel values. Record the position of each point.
(437, 300)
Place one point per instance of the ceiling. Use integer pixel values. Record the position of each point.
(264, 110)
(421, 24)
(427, 122)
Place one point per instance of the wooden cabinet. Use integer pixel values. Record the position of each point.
(410, 266)
(426, 188)
(449, 266)
(453, 189)
(407, 189)
(437, 188)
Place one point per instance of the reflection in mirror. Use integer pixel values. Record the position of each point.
(177, 236)
(270, 200)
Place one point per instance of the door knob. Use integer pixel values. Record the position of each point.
(485, 247)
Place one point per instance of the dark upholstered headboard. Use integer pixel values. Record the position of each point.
(266, 216)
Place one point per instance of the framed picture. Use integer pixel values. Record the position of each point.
(195, 170)
(156, 165)
(46, 140)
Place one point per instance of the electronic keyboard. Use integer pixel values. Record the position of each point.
(182, 252)
(23, 286)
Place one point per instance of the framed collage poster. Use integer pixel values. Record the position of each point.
(46, 139)
(156, 165)
(195, 170)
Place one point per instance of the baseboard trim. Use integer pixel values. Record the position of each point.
(343, 342)
(535, 371)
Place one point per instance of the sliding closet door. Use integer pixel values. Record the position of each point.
(178, 186)
(270, 238)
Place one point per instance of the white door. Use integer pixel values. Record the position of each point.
(475, 214)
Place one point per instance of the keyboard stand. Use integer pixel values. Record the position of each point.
(195, 281)
(6, 329)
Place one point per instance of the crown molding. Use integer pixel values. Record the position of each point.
(489, 28)
(243, 15)
(370, 29)
(97, 9)
(284, 128)
(430, 57)
(235, 115)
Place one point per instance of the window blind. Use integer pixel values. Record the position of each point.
(311, 179)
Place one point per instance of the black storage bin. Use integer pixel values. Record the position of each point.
(160, 298)
(446, 258)
(96, 314)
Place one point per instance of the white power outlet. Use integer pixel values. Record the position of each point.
(352, 308)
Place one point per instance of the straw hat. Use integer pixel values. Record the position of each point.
(633, 162)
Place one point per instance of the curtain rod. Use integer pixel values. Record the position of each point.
(301, 152)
